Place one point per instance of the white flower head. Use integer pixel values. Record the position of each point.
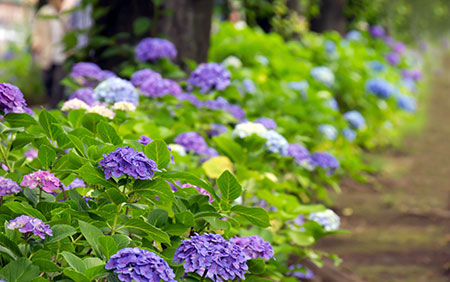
(103, 111)
(247, 129)
(74, 104)
(124, 106)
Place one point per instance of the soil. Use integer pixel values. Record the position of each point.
(400, 220)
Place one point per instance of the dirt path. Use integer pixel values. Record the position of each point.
(400, 221)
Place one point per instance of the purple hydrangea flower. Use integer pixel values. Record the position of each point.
(211, 253)
(393, 58)
(135, 264)
(4, 167)
(267, 122)
(84, 94)
(300, 219)
(44, 180)
(298, 152)
(349, 134)
(161, 87)
(12, 100)
(249, 86)
(412, 74)
(8, 187)
(200, 190)
(126, 160)
(308, 274)
(254, 246)
(324, 160)
(89, 74)
(236, 111)
(355, 119)
(77, 182)
(31, 154)
(406, 103)
(216, 129)
(192, 141)
(380, 87)
(114, 90)
(145, 140)
(399, 48)
(139, 77)
(210, 76)
(377, 31)
(153, 49)
(27, 224)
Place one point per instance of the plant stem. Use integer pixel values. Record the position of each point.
(204, 275)
(40, 194)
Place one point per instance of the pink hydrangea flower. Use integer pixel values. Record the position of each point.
(44, 180)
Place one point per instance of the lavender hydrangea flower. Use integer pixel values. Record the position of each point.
(216, 129)
(236, 111)
(44, 180)
(324, 160)
(298, 152)
(328, 131)
(89, 74)
(353, 35)
(413, 74)
(249, 86)
(323, 74)
(406, 103)
(328, 219)
(211, 253)
(77, 182)
(145, 140)
(31, 154)
(8, 187)
(84, 94)
(135, 264)
(153, 49)
(355, 119)
(377, 31)
(28, 224)
(330, 46)
(126, 160)
(393, 58)
(380, 87)
(210, 76)
(349, 134)
(114, 90)
(160, 87)
(192, 141)
(276, 143)
(254, 246)
(307, 275)
(267, 122)
(139, 77)
(399, 48)
(12, 100)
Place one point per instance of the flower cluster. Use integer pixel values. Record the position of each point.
(28, 224)
(413, 74)
(298, 152)
(41, 179)
(103, 111)
(393, 58)
(300, 86)
(232, 61)
(406, 103)
(216, 129)
(31, 154)
(249, 86)
(144, 140)
(379, 87)
(126, 160)
(211, 253)
(328, 219)
(153, 49)
(210, 76)
(74, 104)
(377, 31)
(8, 187)
(12, 100)
(139, 77)
(124, 106)
(323, 75)
(328, 131)
(114, 90)
(377, 66)
(324, 160)
(84, 94)
(135, 264)
(307, 274)
(194, 142)
(330, 46)
(254, 246)
(349, 134)
(160, 87)
(247, 129)
(276, 143)
(353, 35)
(355, 119)
(89, 74)
(267, 122)
(77, 182)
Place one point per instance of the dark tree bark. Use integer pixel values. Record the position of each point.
(331, 16)
(188, 26)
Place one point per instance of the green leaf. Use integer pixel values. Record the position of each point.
(301, 238)
(155, 233)
(20, 120)
(10, 245)
(255, 215)
(108, 134)
(46, 120)
(121, 240)
(207, 214)
(77, 144)
(151, 189)
(91, 233)
(92, 175)
(256, 266)
(76, 197)
(90, 121)
(95, 271)
(186, 218)
(114, 195)
(74, 117)
(191, 179)
(20, 208)
(47, 156)
(21, 270)
(75, 275)
(215, 166)
(229, 187)
(60, 231)
(46, 265)
(230, 148)
(158, 217)
(108, 246)
(157, 151)
(141, 25)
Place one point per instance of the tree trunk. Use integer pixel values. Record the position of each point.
(331, 16)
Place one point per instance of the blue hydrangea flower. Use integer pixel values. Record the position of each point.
(353, 35)
(377, 31)
(379, 87)
(377, 66)
(12, 100)
(139, 77)
(393, 58)
(413, 74)
(324, 160)
(406, 103)
(300, 86)
(332, 104)
(330, 46)
(84, 94)
(267, 122)
(328, 131)
(192, 141)
(276, 143)
(355, 119)
(328, 219)
(114, 90)
(222, 260)
(254, 246)
(349, 134)
(210, 76)
(219, 104)
(236, 111)
(307, 275)
(126, 160)
(8, 187)
(28, 224)
(135, 264)
(249, 86)
(323, 74)
(153, 49)
(298, 152)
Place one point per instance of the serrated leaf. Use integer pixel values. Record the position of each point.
(20, 208)
(158, 217)
(47, 156)
(108, 134)
(255, 215)
(108, 246)
(186, 218)
(157, 151)
(91, 233)
(229, 187)
(60, 231)
(230, 148)
(21, 270)
(152, 189)
(10, 245)
(46, 265)
(155, 233)
(92, 175)
(191, 179)
(20, 120)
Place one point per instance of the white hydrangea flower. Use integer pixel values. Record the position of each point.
(178, 148)
(323, 74)
(232, 61)
(328, 219)
(74, 104)
(103, 111)
(247, 129)
(124, 106)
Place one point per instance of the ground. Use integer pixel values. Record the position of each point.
(400, 220)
